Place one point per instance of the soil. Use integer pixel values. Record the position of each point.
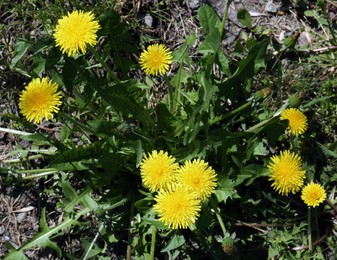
(20, 206)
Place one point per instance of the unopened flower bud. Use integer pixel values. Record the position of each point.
(228, 245)
(263, 93)
(294, 100)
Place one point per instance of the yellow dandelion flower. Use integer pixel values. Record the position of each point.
(313, 194)
(297, 120)
(286, 172)
(156, 59)
(39, 100)
(177, 206)
(158, 170)
(198, 176)
(75, 31)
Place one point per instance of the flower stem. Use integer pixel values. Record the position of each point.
(33, 157)
(217, 213)
(176, 96)
(153, 242)
(103, 63)
(309, 230)
(129, 247)
(224, 116)
(38, 175)
(224, 18)
(12, 131)
(37, 170)
(170, 95)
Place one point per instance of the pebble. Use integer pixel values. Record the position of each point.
(148, 20)
(20, 217)
(194, 4)
(270, 7)
(2, 230)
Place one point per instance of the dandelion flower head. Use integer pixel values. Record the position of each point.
(198, 176)
(39, 100)
(297, 120)
(75, 31)
(313, 194)
(287, 173)
(158, 170)
(156, 59)
(177, 206)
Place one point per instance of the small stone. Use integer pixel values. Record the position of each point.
(20, 217)
(148, 20)
(194, 4)
(271, 7)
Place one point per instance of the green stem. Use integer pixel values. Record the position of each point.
(224, 18)
(176, 96)
(38, 175)
(170, 95)
(292, 142)
(88, 251)
(36, 170)
(220, 118)
(309, 230)
(11, 131)
(33, 157)
(103, 63)
(129, 246)
(153, 242)
(217, 213)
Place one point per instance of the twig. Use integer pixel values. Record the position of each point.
(315, 243)
(331, 3)
(331, 204)
(10, 212)
(240, 223)
(252, 225)
(324, 49)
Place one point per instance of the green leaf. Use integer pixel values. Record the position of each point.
(91, 249)
(225, 190)
(253, 171)
(79, 153)
(65, 133)
(21, 47)
(37, 139)
(144, 204)
(272, 252)
(38, 65)
(14, 254)
(244, 18)
(54, 55)
(180, 55)
(209, 20)
(327, 152)
(120, 99)
(175, 242)
(164, 118)
(223, 62)
(69, 72)
(157, 223)
(111, 26)
(42, 239)
(73, 198)
(254, 60)
(211, 43)
(317, 100)
(137, 146)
